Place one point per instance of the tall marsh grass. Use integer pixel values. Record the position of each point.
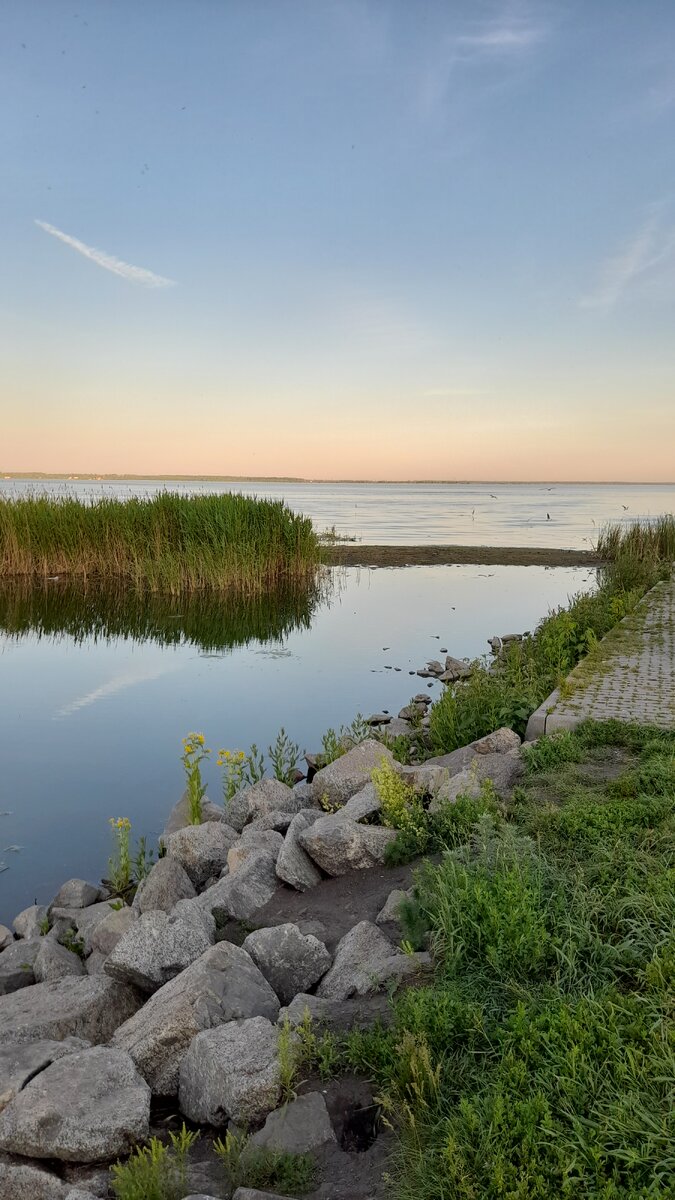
(644, 539)
(164, 543)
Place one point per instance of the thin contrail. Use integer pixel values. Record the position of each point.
(108, 261)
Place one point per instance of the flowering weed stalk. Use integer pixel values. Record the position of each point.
(233, 763)
(119, 865)
(194, 753)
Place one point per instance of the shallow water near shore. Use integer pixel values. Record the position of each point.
(98, 690)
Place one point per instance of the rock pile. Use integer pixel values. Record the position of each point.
(104, 1006)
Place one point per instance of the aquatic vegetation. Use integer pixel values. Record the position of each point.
(167, 543)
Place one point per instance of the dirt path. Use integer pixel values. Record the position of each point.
(356, 555)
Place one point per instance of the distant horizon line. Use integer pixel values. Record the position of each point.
(111, 477)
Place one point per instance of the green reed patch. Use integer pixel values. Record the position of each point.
(165, 543)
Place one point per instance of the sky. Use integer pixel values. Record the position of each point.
(338, 238)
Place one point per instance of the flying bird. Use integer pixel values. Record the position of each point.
(624, 507)
(493, 496)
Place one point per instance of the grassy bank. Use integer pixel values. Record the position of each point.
(167, 543)
(540, 1062)
(507, 691)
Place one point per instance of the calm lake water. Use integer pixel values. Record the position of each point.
(469, 514)
(98, 690)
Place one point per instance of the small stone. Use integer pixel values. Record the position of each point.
(379, 718)
(291, 962)
(231, 1074)
(76, 893)
(90, 1106)
(165, 884)
(389, 915)
(31, 921)
(56, 962)
(500, 742)
(298, 1127)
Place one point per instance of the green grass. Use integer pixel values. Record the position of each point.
(165, 543)
(646, 539)
(527, 671)
(540, 1062)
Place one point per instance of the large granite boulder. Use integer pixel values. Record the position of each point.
(365, 961)
(90, 1106)
(6, 937)
(179, 817)
(29, 923)
(231, 1074)
(339, 844)
(22, 1061)
(239, 896)
(201, 850)
(17, 965)
(77, 893)
(271, 795)
(164, 885)
(339, 1016)
(90, 1008)
(291, 962)
(223, 985)
(250, 841)
(21, 1180)
(342, 779)
(294, 866)
(80, 921)
(160, 945)
(108, 932)
(54, 962)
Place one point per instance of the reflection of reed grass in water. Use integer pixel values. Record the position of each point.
(164, 543)
(211, 620)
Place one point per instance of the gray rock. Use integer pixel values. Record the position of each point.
(298, 1127)
(165, 884)
(237, 810)
(78, 1194)
(201, 850)
(23, 1181)
(29, 923)
(397, 727)
(244, 1193)
(6, 937)
(500, 742)
(105, 936)
(21, 1062)
(504, 770)
(378, 719)
(89, 1008)
(93, 1180)
(424, 779)
(160, 945)
(293, 864)
(239, 896)
(231, 1074)
(76, 893)
(95, 963)
(84, 921)
(278, 821)
(364, 961)
(364, 804)
(179, 817)
(340, 1016)
(388, 917)
(338, 844)
(223, 985)
(270, 795)
(55, 962)
(290, 961)
(412, 712)
(17, 965)
(342, 779)
(250, 841)
(91, 1106)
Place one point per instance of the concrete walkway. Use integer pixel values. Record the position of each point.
(630, 674)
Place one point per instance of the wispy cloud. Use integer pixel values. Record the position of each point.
(502, 36)
(650, 246)
(108, 261)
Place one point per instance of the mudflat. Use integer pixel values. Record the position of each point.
(357, 555)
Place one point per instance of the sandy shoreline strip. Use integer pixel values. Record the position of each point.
(356, 555)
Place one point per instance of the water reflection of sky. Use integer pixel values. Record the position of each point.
(92, 730)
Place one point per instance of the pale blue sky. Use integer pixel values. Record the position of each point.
(406, 239)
